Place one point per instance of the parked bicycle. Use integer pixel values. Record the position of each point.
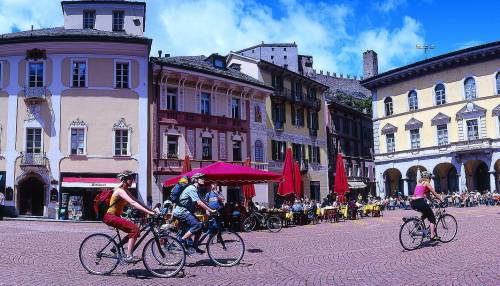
(272, 222)
(163, 255)
(414, 229)
(225, 248)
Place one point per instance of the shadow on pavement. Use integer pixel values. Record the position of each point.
(255, 250)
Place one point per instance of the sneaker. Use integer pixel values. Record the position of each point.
(198, 250)
(132, 259)
(436, 238)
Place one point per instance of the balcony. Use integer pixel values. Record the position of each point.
(313, 103)
(297, 97)
(313, 132)
(282, 93)
(33, 159)
(34, 95)
(473, 146)
(196, 120)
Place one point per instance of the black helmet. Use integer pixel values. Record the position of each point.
(426, 175)
(125, 175)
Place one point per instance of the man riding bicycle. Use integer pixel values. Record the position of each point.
(419, 204)
(183, 211)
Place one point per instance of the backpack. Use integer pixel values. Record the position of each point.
(101, 203)
(176, 193)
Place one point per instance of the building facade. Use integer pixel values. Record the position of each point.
(74, 108)
(294, 120)
(206, 111)
(439, 115)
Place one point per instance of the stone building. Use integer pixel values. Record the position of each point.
(440, 115)
(73, 108)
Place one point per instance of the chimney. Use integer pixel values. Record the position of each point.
(370, 64)
(159, 53)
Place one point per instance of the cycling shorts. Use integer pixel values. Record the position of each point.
(422, 206)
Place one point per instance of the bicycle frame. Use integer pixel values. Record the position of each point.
(209, 233)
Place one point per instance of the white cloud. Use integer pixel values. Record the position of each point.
(389, 5)
(468, 44)
(24, 13)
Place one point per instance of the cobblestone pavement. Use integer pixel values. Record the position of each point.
(362, 252)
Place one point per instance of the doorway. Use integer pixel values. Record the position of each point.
(31, 197)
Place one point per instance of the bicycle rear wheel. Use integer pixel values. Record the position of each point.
(226, 248)
(249, 224)
(411, 234)
(274, 223)
(165, 258)
(99, 254)
(447, 228)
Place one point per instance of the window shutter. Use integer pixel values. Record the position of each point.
(309, 125)
(310, 153)
(283, 111)
(293, 115)
(273, 112)
(316, 125)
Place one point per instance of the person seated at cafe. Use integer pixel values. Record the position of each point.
(324, 203)
(311, 212)
(298, 212)
(352, 209)
(285, 207)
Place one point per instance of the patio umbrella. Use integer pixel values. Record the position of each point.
(287, 186)
(186, 165)
(298, 180)
(341, 187)
(226, 174)
(248, 189)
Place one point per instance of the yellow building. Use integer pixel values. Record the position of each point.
(439, 115)
(295, 119)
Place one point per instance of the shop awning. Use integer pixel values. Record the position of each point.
(356, 185)
(75, 182)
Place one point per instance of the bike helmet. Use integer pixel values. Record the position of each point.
(197, 176)
(184, 180)
(125, 175)
(426, 175)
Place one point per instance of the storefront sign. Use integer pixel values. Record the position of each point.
(71, 182)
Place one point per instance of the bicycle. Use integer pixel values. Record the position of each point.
(414, 229)
(219, 243)
(273, 222)
(163, 255)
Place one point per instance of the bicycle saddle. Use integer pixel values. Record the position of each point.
(407, 218)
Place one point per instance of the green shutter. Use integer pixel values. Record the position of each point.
(293, 115)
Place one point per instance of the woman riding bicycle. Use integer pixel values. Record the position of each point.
(418, 202)
(119, 199)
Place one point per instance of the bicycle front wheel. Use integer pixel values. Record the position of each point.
(274, 223)
(447, 228)
(249, 224)
(164, 258)
(226, 248)
(411, 234)
(99, 254)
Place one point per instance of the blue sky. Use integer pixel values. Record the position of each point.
(334, 32)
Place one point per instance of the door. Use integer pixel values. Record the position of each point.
(31, 197)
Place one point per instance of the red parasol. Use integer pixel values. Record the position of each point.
(297, 180)
(249, 189)
(228, 174)
(186, 165)
(286, 186)
(341, 187)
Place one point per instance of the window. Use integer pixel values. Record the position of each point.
(122, 74)
(278, 150)
(315, 193)
(298, 152)
(35, 71)
(121, 142)
(498, 82)
(313, 121)
(284, 57)
(235, 108)
(391, 144)
(415, 138)
(336, 123)
(472, 129)
(88, 19)
(278, 112)
(277, 82)
(172, 146)
(77, 141)
(205, 103)
(440, 94)
(442, 134)
(272, 57)
(236, 150)
(206, 152)
(413, 100)
(345, 126)
(388, 106)
(298, 116)
(259, 151)
(314, 156)
(172, 98)
(34, 140)
(118, 17)
(470, 88)
(79, 73)
(366, 174)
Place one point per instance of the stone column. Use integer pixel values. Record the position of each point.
(405, 186)
(493, 180)
(463, 179)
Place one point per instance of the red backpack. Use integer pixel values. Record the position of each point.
(101, 203)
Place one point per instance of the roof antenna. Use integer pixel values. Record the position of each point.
(426, 48)
(31, 27)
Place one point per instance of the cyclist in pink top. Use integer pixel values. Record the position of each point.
(418, 202)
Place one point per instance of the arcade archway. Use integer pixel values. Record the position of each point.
(31, 196)
(445, 178)
(411, 177)
(393, 182)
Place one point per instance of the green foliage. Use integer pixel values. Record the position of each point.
(356, 103)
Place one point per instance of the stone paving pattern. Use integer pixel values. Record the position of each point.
(362, 252)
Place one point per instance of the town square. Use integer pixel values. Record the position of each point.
(254, 142)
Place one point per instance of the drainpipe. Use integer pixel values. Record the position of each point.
(158, 77)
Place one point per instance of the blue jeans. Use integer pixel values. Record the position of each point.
(190, 220)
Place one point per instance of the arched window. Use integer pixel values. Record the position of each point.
(498, 82)
(259, 151)
(440, 94)
(388, 106)
(413, 100)
(470, 88)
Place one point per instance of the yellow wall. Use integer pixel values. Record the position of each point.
(484, 74)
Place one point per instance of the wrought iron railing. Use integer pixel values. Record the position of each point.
(34, 94)
(33, 159)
